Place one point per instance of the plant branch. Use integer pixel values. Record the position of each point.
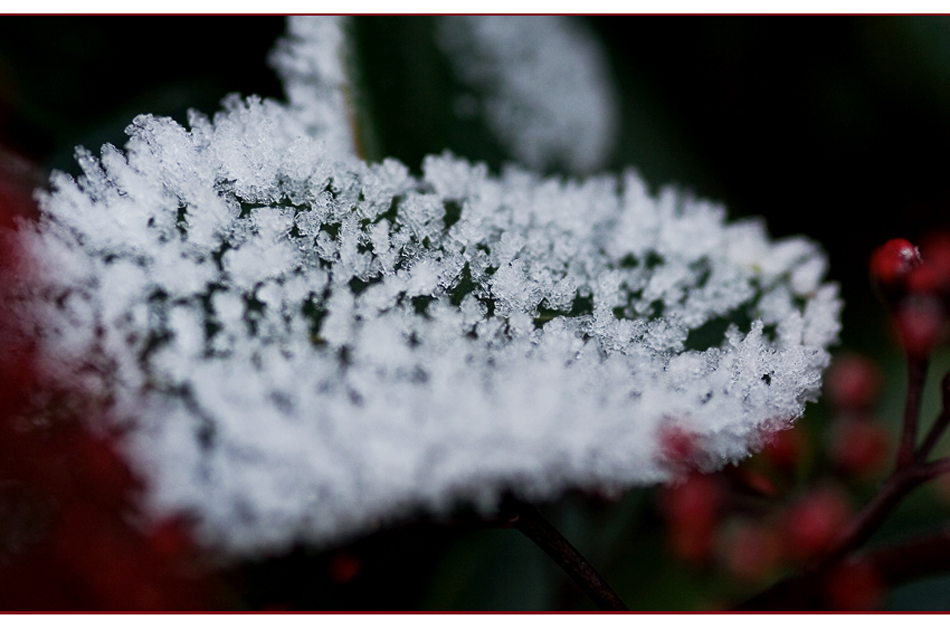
(894, 565)
(860, 528)
(802, 590)
(527, 519)
(940, 425)
(916, 376)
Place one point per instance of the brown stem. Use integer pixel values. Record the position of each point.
(802, 590)
(939, 426)
(860, 528)
(529, 521)
(894, 565)
(916, 375)
(934, 469)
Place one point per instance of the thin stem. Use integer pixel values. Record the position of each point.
(934, 469)
(529, 521)
(916, 375)
(939, 426)
(864, 523)
(894, 565)
(800, 590)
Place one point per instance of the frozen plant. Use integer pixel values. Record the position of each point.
(300, 344)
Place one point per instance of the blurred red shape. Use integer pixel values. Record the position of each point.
(812, 523)
(785, 448)
(751, 551)
(920, 320)
(854, 382)
(860, 447)
(890, 265)
(692, 510)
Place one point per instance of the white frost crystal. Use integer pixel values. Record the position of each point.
(302, 345)
(541, 84)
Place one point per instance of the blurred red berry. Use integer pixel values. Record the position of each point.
(813, 522)
(750, 551)
(933, 276)
(853, 587)
(860, 447)
(786, 448)
(698, 498)
(692, 511)
(72, 537)
(854, 382)
(920, 321)
(891, 263)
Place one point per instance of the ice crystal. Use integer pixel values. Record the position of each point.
(301, 344)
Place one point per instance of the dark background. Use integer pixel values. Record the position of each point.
(833, 127)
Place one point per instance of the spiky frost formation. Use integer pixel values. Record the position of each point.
(541, 84)
(302, 345)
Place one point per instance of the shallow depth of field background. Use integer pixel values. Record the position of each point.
(837, 128)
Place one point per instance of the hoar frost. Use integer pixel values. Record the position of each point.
(301, 345)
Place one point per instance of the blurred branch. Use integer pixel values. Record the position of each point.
(903, 562)
(916, 376)
(940, 425)
(527, 519)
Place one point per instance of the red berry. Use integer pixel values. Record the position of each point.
(920, 320)
(854, 382)
(785, 448)
(698, 498)
(69, 538)
(859, 447)
(933, 276)
(692, 510)
(814, 521)
(891, 263)
(751, 551)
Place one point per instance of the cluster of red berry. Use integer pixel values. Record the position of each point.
(71, 534)
(755, 521)
(915, 285)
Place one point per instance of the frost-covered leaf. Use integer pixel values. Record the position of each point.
(302, 345)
